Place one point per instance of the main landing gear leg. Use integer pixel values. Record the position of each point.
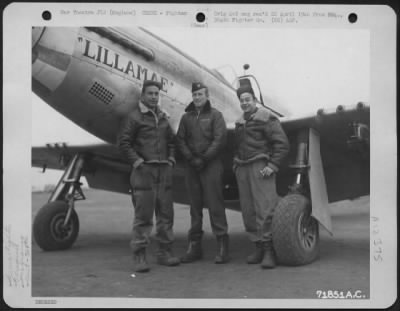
(295, 232)
(56, 225)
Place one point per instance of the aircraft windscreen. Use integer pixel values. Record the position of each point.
(227, 74)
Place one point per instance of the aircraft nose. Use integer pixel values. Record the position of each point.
(52, 50)
(36, 34)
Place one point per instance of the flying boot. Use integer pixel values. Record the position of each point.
(269, 256)
(139, 257)
(193, 253)
(223, 249)
(258, 255)
(165, 256)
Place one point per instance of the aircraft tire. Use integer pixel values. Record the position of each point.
(295, 233)
(47, 227)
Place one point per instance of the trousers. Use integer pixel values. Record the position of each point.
(258, 198)
(205, 190)
(152, 194)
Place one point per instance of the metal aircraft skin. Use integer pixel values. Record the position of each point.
(93, 76)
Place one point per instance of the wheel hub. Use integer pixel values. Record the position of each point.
(58, 230)
(307, 231)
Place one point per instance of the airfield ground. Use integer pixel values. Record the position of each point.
(99, 264)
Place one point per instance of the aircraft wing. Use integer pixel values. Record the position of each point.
(104, 167)
(57, 155)
(344, 145)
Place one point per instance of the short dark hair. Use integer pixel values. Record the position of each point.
(148, 83)
(245, 89)
(252, 95)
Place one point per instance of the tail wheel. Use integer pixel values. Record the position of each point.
(295, 232)
(49, 230)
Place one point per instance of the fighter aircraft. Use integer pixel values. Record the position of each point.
(93, 76)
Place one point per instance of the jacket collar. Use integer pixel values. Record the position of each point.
(242, 120)
(261, 114)
(191, 107)
(158, 111)
(143, 108)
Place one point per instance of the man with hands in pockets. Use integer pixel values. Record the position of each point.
(147, 142)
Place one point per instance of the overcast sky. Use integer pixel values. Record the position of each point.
(302, 69)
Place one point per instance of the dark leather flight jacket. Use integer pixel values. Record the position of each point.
(201, 135)
(260, 137)
(146, 136)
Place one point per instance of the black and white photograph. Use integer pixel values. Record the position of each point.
(202, 155)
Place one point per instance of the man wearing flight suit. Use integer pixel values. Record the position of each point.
(147, 141)
(261, 146)
(200, 138)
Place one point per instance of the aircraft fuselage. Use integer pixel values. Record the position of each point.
(93, 76)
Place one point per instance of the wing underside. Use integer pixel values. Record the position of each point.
(344, 147)
(104, 167)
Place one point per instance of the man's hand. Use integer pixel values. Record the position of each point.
(138, 163)
(197, 163)
(234, 167)
(267, 171)
(171, 161)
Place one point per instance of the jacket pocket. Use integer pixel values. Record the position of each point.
(206, 128)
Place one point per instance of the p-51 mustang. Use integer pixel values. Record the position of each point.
(93, 76)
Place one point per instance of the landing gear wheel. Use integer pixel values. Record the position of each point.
(49, 230)
(295, 233)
